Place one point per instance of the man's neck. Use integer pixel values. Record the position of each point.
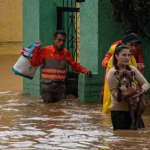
(58, 50)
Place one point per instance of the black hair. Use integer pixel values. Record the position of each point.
(118, 49)
(130, 30)
(60, 32)
(124, 42)
(131, 38)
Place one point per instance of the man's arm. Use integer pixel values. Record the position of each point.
(106, 59)
(38, 57)
(77, 67)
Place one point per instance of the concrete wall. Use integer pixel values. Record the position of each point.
(10, 27)
(39, 23)
(89, 54)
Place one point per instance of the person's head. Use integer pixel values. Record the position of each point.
(133, 31)
(131, 41)
(59, 40)
(121, 56)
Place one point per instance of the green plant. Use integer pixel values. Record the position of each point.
(133, 13)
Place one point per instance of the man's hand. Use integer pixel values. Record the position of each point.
(140, 66)
(88, 73)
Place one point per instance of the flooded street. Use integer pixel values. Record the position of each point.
(27, 123)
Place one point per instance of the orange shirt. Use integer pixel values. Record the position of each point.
(54, 63)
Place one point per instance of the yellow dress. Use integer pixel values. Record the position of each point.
(107, 95)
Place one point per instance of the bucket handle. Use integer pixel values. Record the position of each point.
(32, 47)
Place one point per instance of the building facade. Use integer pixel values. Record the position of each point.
(98, 30)
(10, 27)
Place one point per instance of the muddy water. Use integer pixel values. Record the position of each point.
(27, 123)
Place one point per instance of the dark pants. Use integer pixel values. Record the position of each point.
(53, 92)
(122, 120)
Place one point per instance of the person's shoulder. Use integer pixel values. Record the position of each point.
(117, 42)
(113, 46)
(112, 70)
(50, 47)
(47, 47)
(111, 73)
(133, 68)
(66, 51)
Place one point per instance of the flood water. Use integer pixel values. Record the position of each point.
(27, 123)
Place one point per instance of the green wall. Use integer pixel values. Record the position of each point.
(98, 32)
(89, 88)
(39, 23)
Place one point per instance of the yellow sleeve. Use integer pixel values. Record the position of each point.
(132, 62)
(112, 49)
(110, 64)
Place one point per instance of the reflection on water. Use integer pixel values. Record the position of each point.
(27, 123)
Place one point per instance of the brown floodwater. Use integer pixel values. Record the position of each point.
(27, 123)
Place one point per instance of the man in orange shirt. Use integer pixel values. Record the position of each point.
(55, 59)
(138, 56)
